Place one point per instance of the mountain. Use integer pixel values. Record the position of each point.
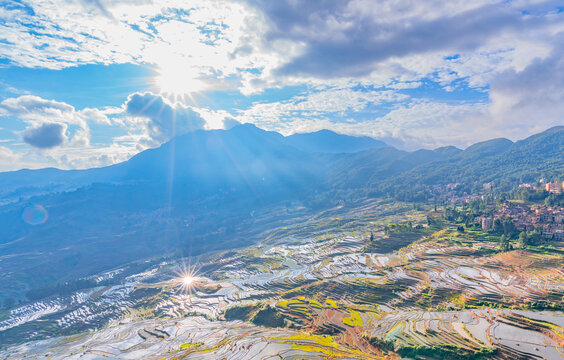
(24, 183)
(220, 189)
(191, 194)
(487, 148)
(448, 151)
(326, 141)
(367, 168)
(197, 157)
(499, 160)
(244, 159)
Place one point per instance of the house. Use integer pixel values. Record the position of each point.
(554, 187)
(487, 223)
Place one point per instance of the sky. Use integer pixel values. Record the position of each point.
(90, 83)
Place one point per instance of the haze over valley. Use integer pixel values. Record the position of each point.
(250, 179)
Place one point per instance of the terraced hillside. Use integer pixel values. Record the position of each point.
(316, 289)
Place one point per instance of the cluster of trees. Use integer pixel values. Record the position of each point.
(554, 200)
(395, 228)
(538, 196)
(528, 194)
(527, 238)
(446, 352)
(504, 244)
(504, 227)
(507, 231)
(460, 216)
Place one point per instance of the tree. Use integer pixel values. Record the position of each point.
(501, 199)
(523, 240)
(460, 228)
(497, 226)
(534, 237)
(371, 236)
(504, 243)
(508, 227)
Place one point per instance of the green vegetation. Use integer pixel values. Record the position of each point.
(258, 314)
(527, 238)
(269, 317)
(354, 319)
(446, 352)
(242, 312)
(187, 346)
(379, 343)
(398, 235)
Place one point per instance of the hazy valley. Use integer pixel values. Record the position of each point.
(296, 252)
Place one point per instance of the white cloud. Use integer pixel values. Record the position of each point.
(214, 39)
(532, 99)
(208, 42)
(36, 112)
(6, 154)
(314, 103)
(411, 124)
(56, 134)
(509, 50)
(165, 120)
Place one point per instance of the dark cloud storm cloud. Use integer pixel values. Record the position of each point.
(344, 42)
(45, 136)
(531, 99)
(165, 120)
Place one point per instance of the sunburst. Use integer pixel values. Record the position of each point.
(186, 280)
(179, 81)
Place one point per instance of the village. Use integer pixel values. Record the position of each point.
(528, 218)
(491, 210)
(548, 220)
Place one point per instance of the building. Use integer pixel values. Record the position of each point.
(554, 187)
(487, 223)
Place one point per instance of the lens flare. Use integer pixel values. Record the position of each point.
(186, 280)
(35, 214)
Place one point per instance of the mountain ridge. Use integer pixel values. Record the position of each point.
(200, 190)
(327, 141)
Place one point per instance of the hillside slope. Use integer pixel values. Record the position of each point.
(326, 141)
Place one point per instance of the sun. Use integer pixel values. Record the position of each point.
(178, 79)
(186, 280)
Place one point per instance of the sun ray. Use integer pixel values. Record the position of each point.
(178, 80)
(186, 280)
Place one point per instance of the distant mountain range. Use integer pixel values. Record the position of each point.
(326, 141)
(205, 158)
(217, 189)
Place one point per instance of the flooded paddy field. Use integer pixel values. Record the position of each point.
(320, 293)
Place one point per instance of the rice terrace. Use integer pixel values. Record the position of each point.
(322, 293)
(282, 180)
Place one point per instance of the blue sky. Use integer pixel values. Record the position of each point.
(91, 83)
